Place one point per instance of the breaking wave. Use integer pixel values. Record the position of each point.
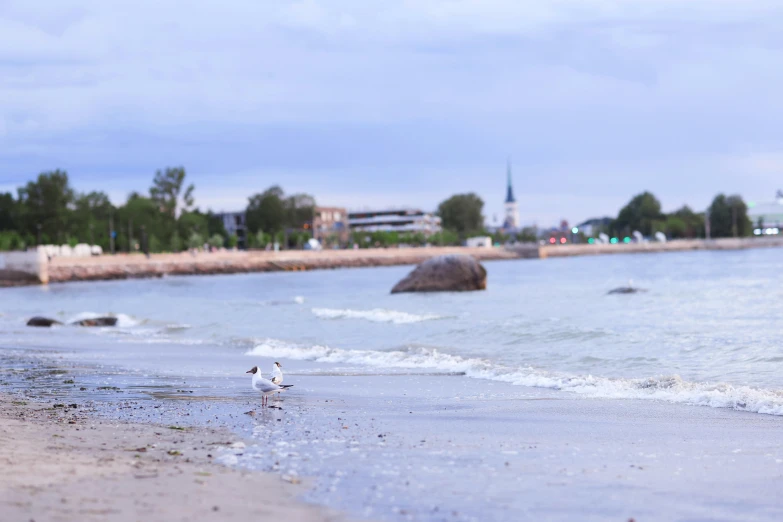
(376, 315)
(670, 388)
(123, 320)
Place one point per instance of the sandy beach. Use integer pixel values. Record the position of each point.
(542, 398)
(60, 463)
(382, 444)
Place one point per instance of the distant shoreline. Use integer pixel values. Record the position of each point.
(123, 266)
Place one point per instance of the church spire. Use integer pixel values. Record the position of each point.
(510, 189)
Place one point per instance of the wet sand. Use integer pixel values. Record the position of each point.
(438, 447)
(58, 463)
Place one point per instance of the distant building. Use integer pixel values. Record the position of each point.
(767, 217)
(512, 212)
(592, 227)
(235, 224)
(331, 223)
(479, 242)
(394, 220)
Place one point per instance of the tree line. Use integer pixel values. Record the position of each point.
(727, 216)
(47, 210)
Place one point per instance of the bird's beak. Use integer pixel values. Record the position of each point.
(249, 371)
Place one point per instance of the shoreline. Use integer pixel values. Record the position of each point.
(389, 446)
(422, 407)
(159, 265)
(26, 268)
(59, 462)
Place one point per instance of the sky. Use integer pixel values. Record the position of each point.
(369, 104)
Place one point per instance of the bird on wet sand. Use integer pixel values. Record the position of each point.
(277, 374)
(265, 386)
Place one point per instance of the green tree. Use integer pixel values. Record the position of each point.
(675, 227)
(167, 188)
(176, 244)
(445, 238)
(729, 217)
(139, 211)
(692, 223)
(299, 210)
(462, 214)
(90, 218)
(193, 222)
(8, 212)
(272, 211)
(215, 225)
(11, 240)
(195, 240)
(641, 213)
(266, 211)
(154, 243)
(216, 241)
(46, 202)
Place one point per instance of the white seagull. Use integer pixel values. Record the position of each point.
(277, 374)
(265, 386)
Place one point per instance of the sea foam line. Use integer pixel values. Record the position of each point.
(376, 315)
(667, 388)
(123, 320)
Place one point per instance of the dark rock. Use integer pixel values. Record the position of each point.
(97, 321)
(626, 290)
(42, 321)
(450, 273)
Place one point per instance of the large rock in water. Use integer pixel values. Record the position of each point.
(451, 273)
(42, 321)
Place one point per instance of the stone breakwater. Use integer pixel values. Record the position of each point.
(681, 245)
(29, 267)
(158, 265)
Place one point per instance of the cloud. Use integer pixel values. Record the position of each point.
(410, 90)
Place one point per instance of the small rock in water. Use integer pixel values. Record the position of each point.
(630, 289)
(42, 321)
(626, 290)
(97, 321)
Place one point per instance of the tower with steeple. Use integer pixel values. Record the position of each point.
(512, 212)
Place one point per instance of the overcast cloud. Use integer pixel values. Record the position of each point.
(368, 103)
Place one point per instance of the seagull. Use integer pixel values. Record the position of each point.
(277, 374)
(265, 386)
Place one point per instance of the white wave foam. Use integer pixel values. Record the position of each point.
(123, 320)
(667, 388)
(174, 327)
(376, 315)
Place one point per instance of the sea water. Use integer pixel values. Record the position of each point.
(705, 332)
(541, 398)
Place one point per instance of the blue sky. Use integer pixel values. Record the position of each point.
(369, 103)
